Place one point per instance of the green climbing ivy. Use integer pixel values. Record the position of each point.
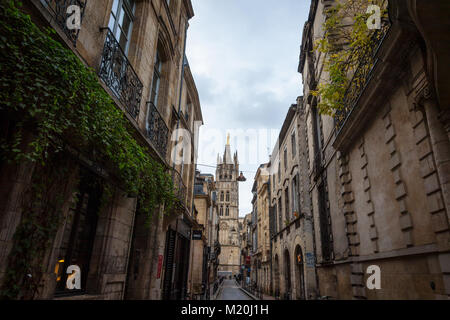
(345, 41)
(46, 90)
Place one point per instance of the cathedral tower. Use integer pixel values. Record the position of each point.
(227, 173)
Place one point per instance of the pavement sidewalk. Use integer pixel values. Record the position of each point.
(263, 296)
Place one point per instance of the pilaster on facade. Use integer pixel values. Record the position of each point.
(429, 160)
(370, 209)
(433, 181)
(347, 195)
(357, 281)
(406, 224)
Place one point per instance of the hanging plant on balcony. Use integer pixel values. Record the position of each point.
(46, 90)
(346, 42)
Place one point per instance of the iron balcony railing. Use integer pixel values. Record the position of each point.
(118, 74)
(180, 188)
(360, 77)
(157, 130)
(62, 14)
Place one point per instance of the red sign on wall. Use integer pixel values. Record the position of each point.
(160, 260)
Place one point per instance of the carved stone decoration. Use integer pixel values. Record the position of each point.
(423, 93)
(348, 198)
(370, 209)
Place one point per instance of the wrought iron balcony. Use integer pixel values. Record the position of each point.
(180, 188)
(118, 74)
(58, 10)
(157, 130)
(360, 77)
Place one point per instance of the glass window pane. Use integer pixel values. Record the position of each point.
(131, 4)
(126, 25)
(115, 6)
(120, 16)
(112, 22)
(123, 41)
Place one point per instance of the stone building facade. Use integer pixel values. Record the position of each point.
(262, 257)
(246, 248)
(137, 50)
(202, 270)
(379, 180)
(227, 187)
(291, 225)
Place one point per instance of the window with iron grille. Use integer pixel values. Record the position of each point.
(169, 263)
(293, 147)
(280, 215)
(273, 220)
(294, 188)
(286, 203)
(78, 237)
(115, 69)
(325, 224)
(154, 90)
(285, 159)
(187, 111)
(317, 131)
(121, 22)
(221, 211)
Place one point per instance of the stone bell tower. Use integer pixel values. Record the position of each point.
(227, 173)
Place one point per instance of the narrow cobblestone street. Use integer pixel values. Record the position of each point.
(225, 150)
(230, 291)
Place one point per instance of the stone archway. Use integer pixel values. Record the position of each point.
(287, 275)
(299, 273)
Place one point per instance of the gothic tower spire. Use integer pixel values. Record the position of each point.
(228, 203)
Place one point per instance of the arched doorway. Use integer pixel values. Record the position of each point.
(277, 276)
(299, 273)
(287, 275)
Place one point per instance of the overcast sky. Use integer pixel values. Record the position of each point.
(244, 56)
